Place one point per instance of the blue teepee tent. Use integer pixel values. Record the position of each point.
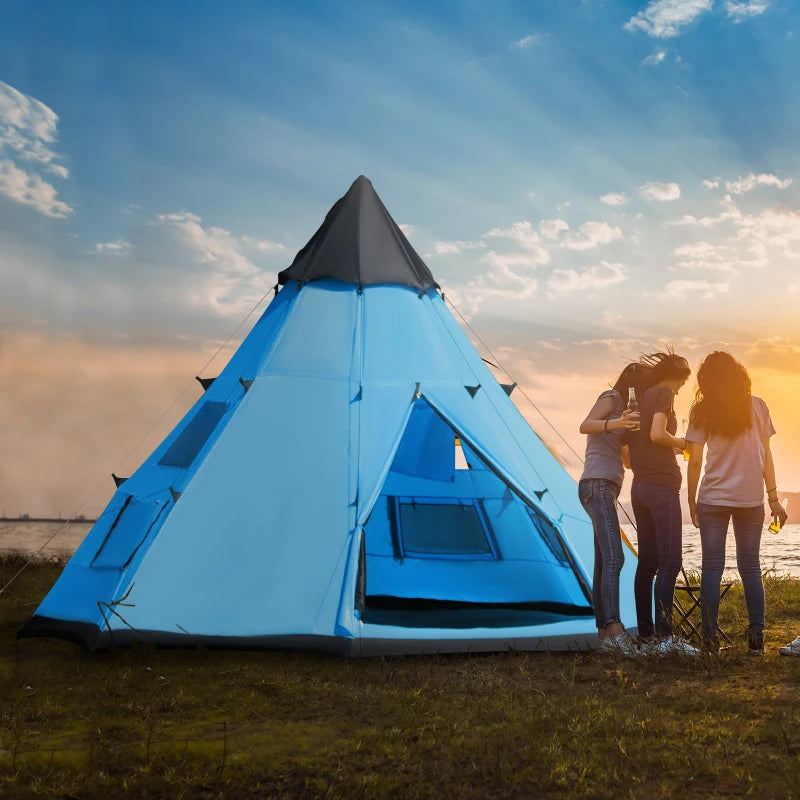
(355, 481)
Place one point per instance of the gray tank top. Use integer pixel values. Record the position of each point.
(604, 450)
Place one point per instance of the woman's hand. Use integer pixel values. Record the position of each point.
(629, 420)
(777, 510)
(693, 515)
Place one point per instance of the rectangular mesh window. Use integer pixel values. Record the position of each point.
(190, 442)
(550, 536)
(442, 529)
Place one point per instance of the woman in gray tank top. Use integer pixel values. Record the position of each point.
(600, 484)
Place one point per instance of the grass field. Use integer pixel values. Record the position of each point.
(142, 722)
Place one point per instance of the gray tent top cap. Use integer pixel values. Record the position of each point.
(360, 243)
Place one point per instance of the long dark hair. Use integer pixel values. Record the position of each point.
(722, 403)
(649, 369)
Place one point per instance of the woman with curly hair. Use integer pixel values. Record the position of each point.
(735, 428)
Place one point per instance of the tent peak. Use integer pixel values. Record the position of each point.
(360, 243)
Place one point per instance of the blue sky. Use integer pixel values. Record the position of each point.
(585, 179)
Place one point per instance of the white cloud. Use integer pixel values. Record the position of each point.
(406, 228)
(706, 289)
(28, 131)
(614, 198)
(457, 246)
(695, 250)
(550, 229)
(591, 234)
(655, 58)
(703, 255)
(665, 18)
(28, 128)
(663, 192)
(749, 182)
(711, 184)
(528, 41)
(30, 190)
(566, 281)
(523, 235)
(115, 248)
(739, 11)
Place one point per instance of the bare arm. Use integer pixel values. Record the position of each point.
(775, 507)
(693, 477)
(597, 420)
(660, 435)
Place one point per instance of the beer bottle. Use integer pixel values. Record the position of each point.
(633, 404)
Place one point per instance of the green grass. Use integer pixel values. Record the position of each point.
(144, 722)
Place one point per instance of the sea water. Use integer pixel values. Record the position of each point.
(779, 552)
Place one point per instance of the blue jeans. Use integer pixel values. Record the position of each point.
(658, 527)
(747, 525)
(599, 498)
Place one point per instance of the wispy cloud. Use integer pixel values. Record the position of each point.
(666, 18)
(706, 289)
(711, 184)
(663, 192)
(28, 132)
(520, 233)
(739, 11)
(749, 182)
(551, 229)
(655, 58)
(455, 247)
(119, 247)
(528, 41)
(614, 198)
(591, 234)
(30, 190)
(599, 276)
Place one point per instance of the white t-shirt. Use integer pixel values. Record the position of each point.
(734, 474)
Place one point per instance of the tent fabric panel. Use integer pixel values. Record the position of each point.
(384, 411)
(247, 523)
(360, 243)
(570, 634)
(427, 449)
(76, 594)
(473, 581)
(410, 350)
(138, 520)
(317, 337)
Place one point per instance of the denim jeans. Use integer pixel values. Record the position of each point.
(599, 497)
(747, 525)
(658, 526)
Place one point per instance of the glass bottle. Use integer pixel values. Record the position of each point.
(633, 405)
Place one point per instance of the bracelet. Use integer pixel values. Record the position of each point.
(605, 426)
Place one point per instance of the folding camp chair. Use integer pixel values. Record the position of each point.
(683, 608)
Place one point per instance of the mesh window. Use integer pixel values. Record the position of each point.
(550, 536)
(192, 438)
(442, 529)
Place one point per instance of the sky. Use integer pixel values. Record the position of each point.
(586, 179)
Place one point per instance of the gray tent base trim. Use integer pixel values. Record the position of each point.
(92, 638)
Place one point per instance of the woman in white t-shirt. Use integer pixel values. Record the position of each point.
(735, 427)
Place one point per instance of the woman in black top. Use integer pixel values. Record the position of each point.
(656, 505)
